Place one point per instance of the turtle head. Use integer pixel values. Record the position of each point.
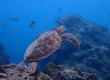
(60, 29)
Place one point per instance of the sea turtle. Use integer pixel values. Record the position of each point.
(44, 45)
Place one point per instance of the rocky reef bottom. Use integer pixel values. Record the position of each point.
(50, 72)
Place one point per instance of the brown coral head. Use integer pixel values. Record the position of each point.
(2, 73)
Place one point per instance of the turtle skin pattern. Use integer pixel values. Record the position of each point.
(43, 46)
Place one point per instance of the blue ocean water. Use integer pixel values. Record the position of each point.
(43, 12)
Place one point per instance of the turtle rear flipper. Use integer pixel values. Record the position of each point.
(32, 67)
(71, 38)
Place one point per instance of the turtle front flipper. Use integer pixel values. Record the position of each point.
(71, 38)
(32, 67)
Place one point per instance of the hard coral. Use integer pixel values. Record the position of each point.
(67, 73)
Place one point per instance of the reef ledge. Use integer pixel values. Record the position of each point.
(50, 72)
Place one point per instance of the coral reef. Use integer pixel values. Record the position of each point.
(94, 54)
(60, 72)
(14, 74)
(3, 75)
(4, 58)
(50, 72)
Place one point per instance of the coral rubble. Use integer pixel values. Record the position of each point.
(60, 72)
(14, 74)
(50, 72)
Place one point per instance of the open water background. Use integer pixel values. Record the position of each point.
(43, 12)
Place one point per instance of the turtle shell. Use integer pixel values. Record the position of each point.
(46, 44)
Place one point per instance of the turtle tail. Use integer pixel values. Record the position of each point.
(69, 37)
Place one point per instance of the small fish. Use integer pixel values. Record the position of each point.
(32, 24)
(12, 32)
(59, 9)
(15, 19)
